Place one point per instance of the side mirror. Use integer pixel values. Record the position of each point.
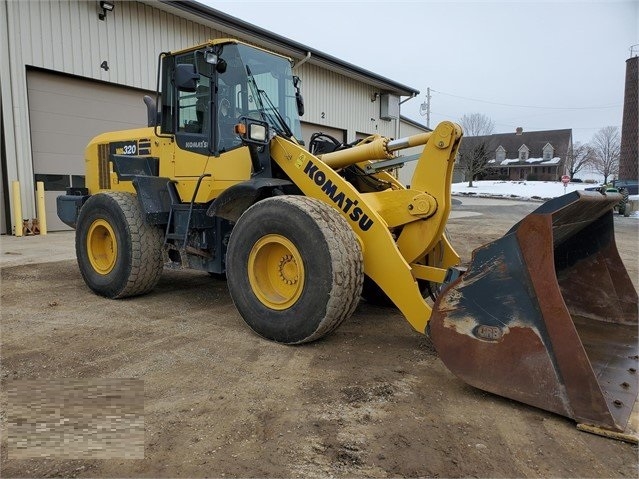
(300, 103)
(299, 100)
(186, 77)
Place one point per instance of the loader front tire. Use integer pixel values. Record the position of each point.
(294, 269)
(118, 253)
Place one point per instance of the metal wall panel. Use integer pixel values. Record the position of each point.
(64, 114)
(333, 100)
(67, 36)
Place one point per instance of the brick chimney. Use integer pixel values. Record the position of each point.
(629, 155)
(519, 131)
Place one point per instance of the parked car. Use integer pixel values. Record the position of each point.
(631, 186)
(622, 206)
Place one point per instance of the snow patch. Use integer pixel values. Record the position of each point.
(523, 190)
(554, 161)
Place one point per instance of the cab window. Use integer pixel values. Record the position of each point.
(193, 114)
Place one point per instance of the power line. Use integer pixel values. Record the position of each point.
(528, 106)
(447, 116)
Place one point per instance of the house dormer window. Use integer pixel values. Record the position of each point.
(500, 154)
(549, 152)
(523, 153)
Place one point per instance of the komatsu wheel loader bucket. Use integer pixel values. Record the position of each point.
(547, 315)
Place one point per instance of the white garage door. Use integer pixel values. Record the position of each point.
(309, 128)
(65, 113)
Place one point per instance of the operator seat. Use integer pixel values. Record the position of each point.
(226, 121)
(202, 107)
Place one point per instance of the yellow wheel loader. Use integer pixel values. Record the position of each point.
(219, 181)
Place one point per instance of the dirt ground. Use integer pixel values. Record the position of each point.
(371, 400)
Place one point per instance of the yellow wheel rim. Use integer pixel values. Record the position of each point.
(276, 272)
(102, 247)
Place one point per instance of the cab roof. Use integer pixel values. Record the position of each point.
(277, 43)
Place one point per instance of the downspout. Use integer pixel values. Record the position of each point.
(409, 98)
(398, 124)
(302, 61)
(397, 131)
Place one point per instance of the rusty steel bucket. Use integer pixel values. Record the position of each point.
(547, 315)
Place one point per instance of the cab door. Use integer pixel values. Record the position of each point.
(196, 148)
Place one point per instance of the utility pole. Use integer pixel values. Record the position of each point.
(424, 108)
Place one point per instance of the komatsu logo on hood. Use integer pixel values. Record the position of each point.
(197, 144)
(346, 204)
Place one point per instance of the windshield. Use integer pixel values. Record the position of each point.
(259, 85)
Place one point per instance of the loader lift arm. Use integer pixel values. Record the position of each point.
(418, 215)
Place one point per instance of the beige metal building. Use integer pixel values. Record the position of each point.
(71, 69)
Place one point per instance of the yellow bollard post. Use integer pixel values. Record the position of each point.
(42, 212)
(17, 209)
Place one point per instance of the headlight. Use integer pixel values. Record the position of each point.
(257, 132)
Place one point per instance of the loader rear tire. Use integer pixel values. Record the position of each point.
(294, 269)
(118, 253)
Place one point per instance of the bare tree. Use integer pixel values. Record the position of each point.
(473, 152)
(606, 145)
(477, 124)
(580, 157)
(474, 159)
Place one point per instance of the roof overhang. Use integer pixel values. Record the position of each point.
(416, 124)
(233, 26)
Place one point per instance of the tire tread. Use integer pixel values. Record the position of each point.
(345, 258)
(146, 267)
(348, 270)
(146, 246)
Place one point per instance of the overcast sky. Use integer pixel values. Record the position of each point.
(539, 65)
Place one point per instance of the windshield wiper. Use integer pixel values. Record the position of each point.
(275, 118)
(282, 123)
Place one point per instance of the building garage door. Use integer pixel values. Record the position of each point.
(3, 185)
(65, 113)
(309, 128)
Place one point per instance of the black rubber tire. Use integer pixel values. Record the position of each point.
(332, 262)
(138, 263)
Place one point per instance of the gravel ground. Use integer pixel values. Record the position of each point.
(371, 400)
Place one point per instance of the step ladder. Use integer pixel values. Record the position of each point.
(174, 251)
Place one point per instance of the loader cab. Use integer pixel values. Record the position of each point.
(208, 91)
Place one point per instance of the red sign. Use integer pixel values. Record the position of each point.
(565, 179)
